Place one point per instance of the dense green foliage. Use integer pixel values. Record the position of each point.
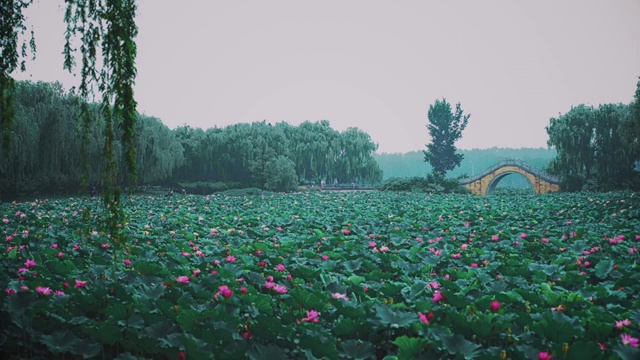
(325, 275)
(243, 153)
(593, 151)
(445, 128)
(12, 57)
(632, 126)
(47, 156)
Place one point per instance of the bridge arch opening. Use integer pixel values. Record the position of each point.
(514, 180)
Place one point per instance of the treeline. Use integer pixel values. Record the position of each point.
(475, 161)
(597, 147)
(46, 154)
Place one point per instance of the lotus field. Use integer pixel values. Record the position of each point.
(358, 275)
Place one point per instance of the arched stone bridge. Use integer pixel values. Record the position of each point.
(486, 182)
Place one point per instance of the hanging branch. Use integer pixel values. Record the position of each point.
(11, 28)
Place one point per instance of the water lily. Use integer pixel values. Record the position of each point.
(437, 297)
(183, 279)
(280, 268)
(426, 318)
(312, 316)
(543, 355)
(43, 290)
(629, 340)
(495, 306)
(224, 291)
(30, 263)
(80, 284)
(339, 296)
(621, 323)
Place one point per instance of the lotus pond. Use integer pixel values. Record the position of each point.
(358, 275)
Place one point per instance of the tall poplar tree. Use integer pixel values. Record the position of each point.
(445, 128)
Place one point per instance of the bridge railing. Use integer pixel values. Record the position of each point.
(514, 162)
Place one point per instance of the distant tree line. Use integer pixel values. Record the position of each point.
(411, 164)
(45, 156)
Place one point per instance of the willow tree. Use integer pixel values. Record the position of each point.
(101, 28)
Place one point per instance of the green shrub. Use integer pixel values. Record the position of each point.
(207, 187)
(429, 184)
(243, 192)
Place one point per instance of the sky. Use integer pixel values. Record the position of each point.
(372, 64)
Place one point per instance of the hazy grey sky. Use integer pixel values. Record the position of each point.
(376, 65)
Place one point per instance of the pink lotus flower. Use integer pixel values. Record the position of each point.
(183, 279)
(384, 249)
(455, 256)
(474, 265)
(543, 355)
(464, 246)
(495, 306)
(269, 284)
(127, 262)
(434, 285)
(545, 240)
(243, 290)
(437, 297)
(426, 318)
(58, 293)
(30, 263)
(523, 236)
(225, 291)
(9, 291)
(54, 246)
(280, 289)
(280, 268)
(602, 346)
(325, 257)
(339, 296)
(629, 340)
(43, 290)
(372, 244)
(5, 220)
(312, 316)
(80, 284)
(231, 259)
(621, 323)
(495, 238)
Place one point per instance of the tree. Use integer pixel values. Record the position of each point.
(591, 148)
(105, 28)
(280, 174)
(445, 128)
